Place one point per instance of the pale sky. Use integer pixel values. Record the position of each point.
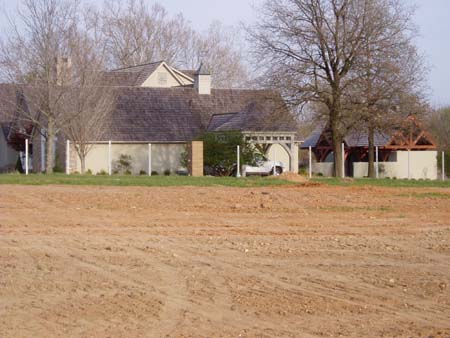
(432, 18)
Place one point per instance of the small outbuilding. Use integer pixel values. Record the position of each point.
(407, 151)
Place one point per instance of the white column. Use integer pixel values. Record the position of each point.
(409, 164)
(149, 159)
(238, 166)
(43, 153)
(68, 158)
(109, 159)
(26, 156)
(293, 156)
(443, 166)
(377, 163)
(343, 160)
(310, 162)
(274, 169)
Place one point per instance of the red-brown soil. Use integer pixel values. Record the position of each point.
(312, 261)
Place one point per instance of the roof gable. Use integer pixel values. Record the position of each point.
(152, 75)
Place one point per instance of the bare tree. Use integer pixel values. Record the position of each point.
(439, 124)
(40, 34)
(390, 72)
(220, 51)
(312, 50)
(135, 34)
(89, 102)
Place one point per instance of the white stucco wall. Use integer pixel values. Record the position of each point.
(277, 153)
(8, 156)
(423, 165)
(164, 156)
(324, 168)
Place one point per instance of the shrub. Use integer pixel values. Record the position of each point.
(123, 164)
(154, 173)
(89, 172)
(58, 169)
(142, 173)
(184, 158)
(127, 172)
(220, 152)
(303, 171)
(167, 172)
(102, 173)
(19, 167)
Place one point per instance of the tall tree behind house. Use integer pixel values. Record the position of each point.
(314, 51)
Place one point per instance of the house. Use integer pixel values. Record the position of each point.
(406, 151)
(166, 108)
(8, 155)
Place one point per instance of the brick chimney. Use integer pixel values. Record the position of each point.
(63, 71)
(202, 81)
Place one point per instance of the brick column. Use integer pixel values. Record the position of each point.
(196, 158)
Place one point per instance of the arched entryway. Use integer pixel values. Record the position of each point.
(276, 152)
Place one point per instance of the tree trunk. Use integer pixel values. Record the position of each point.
(49, 145)
(338, 160)
(337, 147)
(371, 150)
(83, 164)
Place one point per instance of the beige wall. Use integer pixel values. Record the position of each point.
(8, 156)
(324, 168)
(164, 156)
(423, 165)
(154, 82)
(277, 153)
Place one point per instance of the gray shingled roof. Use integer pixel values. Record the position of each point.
(256, 117)
(360, 139)
(180, 114)
(354, 139)
(130, 76)
(8, 102)
(313, 138)
(5, 127)
(189, 72)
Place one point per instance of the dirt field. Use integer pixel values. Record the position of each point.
(311, 261)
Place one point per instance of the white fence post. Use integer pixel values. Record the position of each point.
(443, 166)
(274, 169)
(409, 164)
(238, 166)
(109, 159)
(310, 162)
(68, 158)
(343, 160)
(377, 174)
(26, 156)
(149, 159)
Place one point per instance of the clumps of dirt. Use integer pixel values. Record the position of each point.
(293, 177)
(301, 179)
